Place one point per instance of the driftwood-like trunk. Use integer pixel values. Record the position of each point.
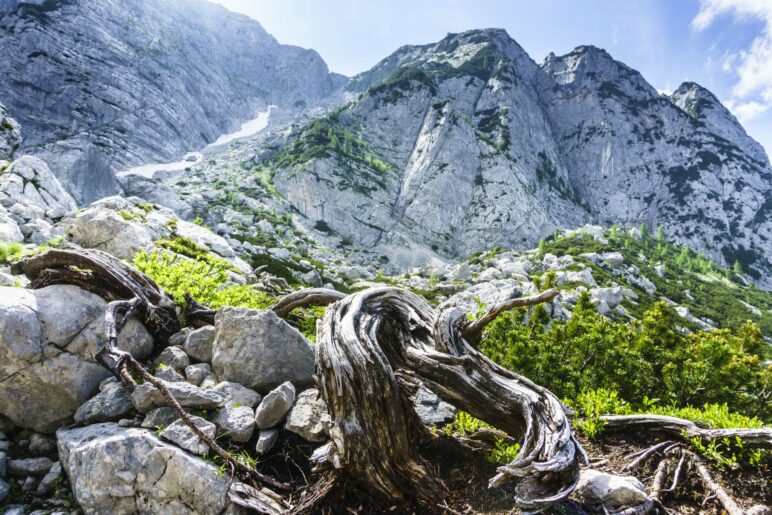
(375, 346)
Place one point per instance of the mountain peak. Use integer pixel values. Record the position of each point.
(702, 105)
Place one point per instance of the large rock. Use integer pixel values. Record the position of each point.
(146, 396)
(309, 417)
(129, 470)
(29, 182)
(48, 340)
(258, 349)
(596, 487)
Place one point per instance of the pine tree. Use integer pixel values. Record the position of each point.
(644, 230)
(660, 234)
(737, 268)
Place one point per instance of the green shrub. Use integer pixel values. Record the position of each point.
(206, 280)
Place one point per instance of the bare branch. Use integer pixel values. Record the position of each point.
(305, 297)
(724, 498)
(472, 330)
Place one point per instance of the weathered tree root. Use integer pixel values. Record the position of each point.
(375, 346)
(681, 429)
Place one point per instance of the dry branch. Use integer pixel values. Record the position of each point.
(472, 330)
(305, 297)
(682, 429)
(724, 498)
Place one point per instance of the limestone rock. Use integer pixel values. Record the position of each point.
(237, 422)
(118, 470)
(309, 417)
(112, 403)
(195, 374)
(183, 436)
(29, 467)
(258, 349)
(596, 487)
(48, 340)
(173, 357)
(146, 396)
(266, 440)
(274, 406)
(198, 343)
(238, 394)
(431, 409)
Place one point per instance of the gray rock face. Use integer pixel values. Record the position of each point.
(183, 436)
(199, 343)
(29, 181)
(146, 396)
(46, 484)
(237, 422)
(112, 403)
(168, 373)
(118, 470)
(596, 487)
(10, 135)
(204, 70)
(274, 406)
(309, 417)
(258, 349)
(521, 149)
(5, 489)
(48, 339)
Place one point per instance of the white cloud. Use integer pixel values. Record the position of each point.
(752, 93)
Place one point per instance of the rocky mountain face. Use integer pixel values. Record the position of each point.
(100, 86)
(466, 144)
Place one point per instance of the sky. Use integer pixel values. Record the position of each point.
(724, 45)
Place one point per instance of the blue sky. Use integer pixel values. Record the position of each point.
(725, 45)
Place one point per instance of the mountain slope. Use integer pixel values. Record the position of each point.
(465, 144)
(102, 85)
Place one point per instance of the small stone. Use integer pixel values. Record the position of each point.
(309, 417)
(195, 374)
(112, 403)
(431, 409)
(29, 467)
(29, 484)
(5, 489)
(238, 394)
(178, 339)
(266, 440)
(6, 426)
(237, 422)
(159, 417)
(47, 483)
(199, 343)
(40, 445)
(167, 373)
(596, 487)
(275, 406)
(181, 435)
(3, 460)
(209, 382)
(173, 357)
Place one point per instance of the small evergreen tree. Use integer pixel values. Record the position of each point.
(644, 230)
(737, 268)
(660, 234)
